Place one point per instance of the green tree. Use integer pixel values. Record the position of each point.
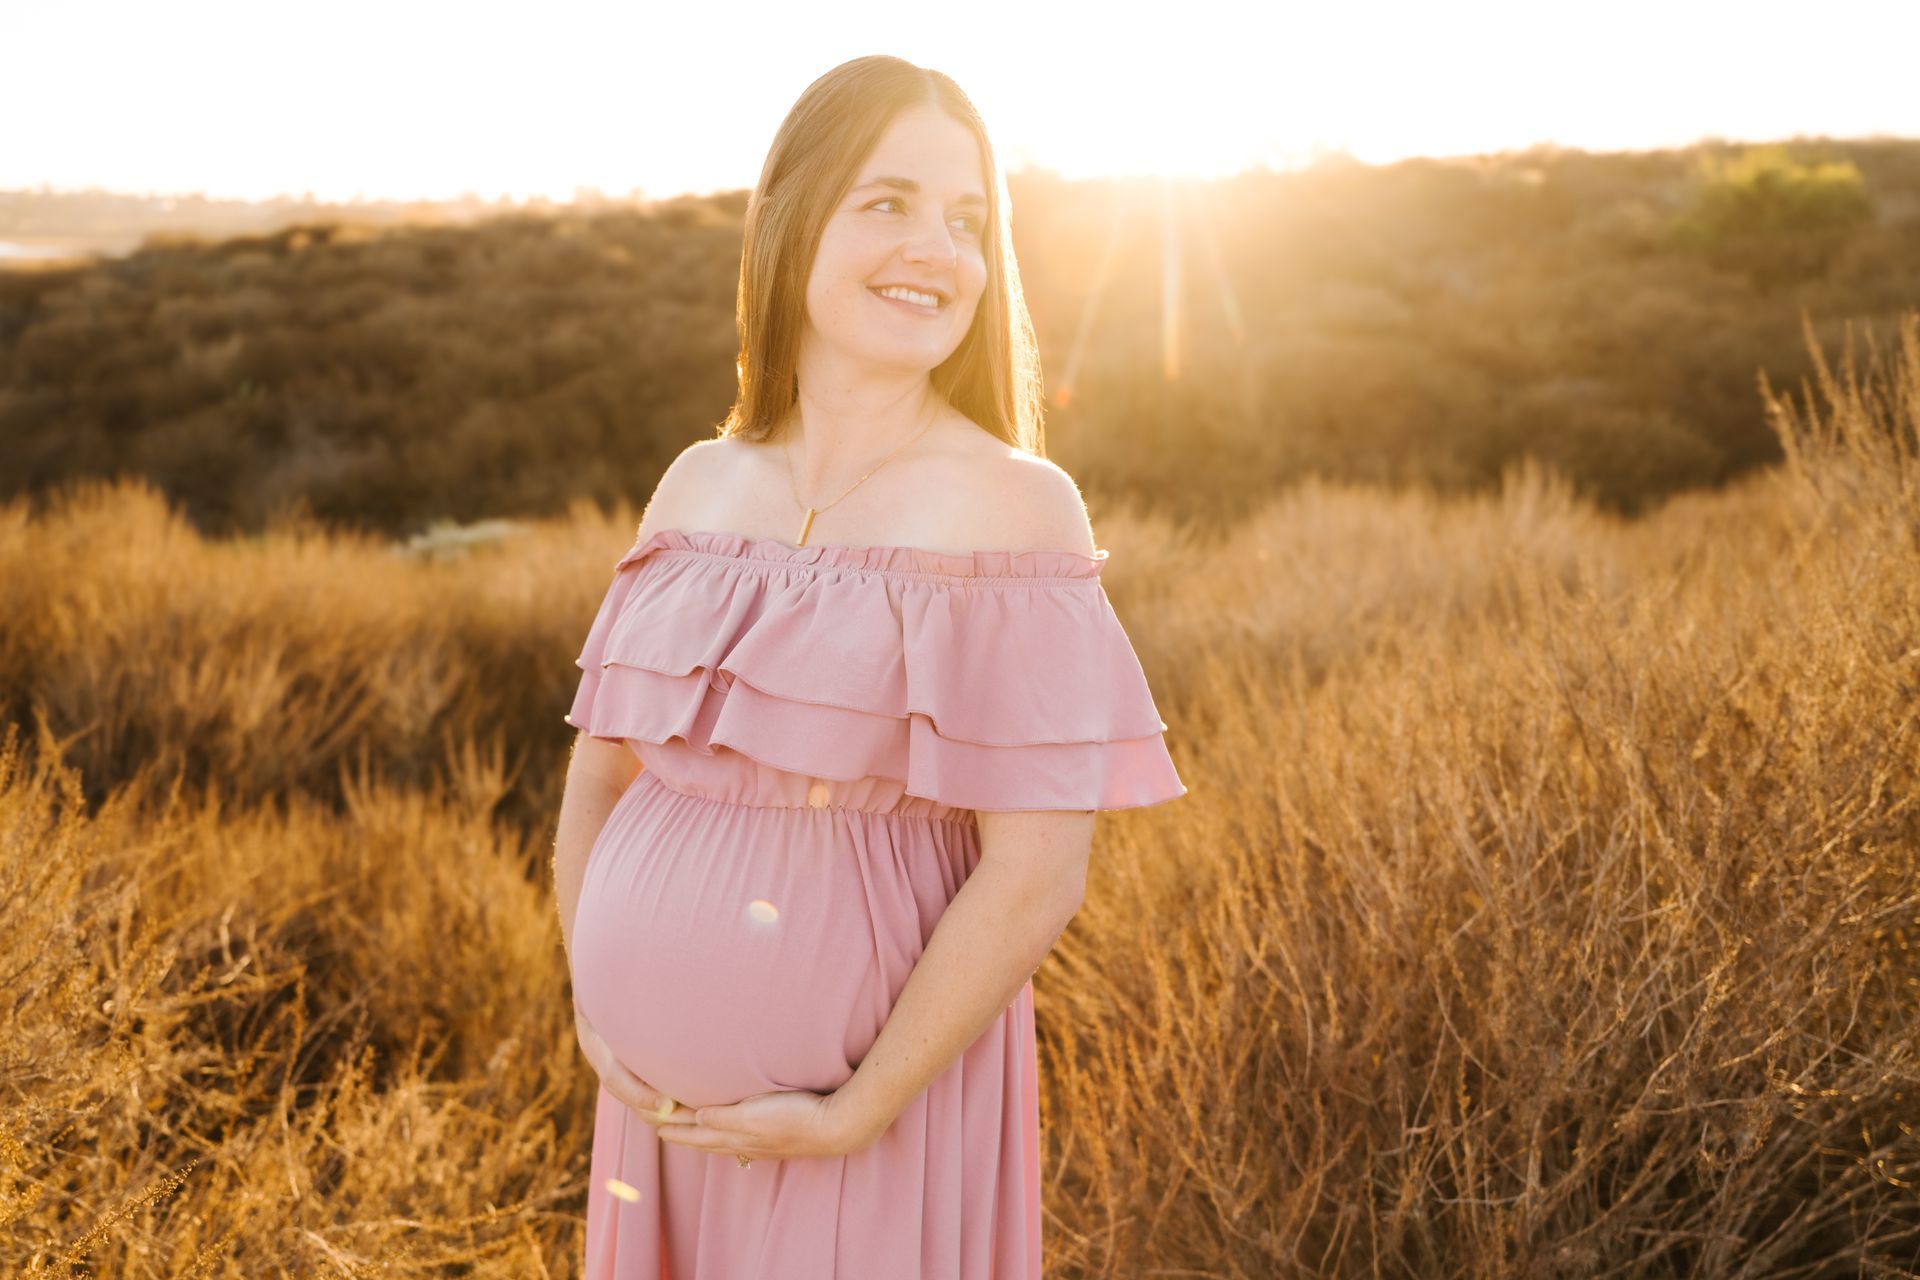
(1777, 219)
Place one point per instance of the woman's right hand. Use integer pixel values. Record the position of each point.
(640, 1097)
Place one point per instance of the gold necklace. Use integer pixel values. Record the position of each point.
(807, 523)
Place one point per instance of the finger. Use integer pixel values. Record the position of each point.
(639, 1096)
(667, 1111)
(629, 1097)
(650, 1105)
(645, 1101)
(705, 1140)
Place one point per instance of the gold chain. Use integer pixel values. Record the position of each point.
(807, 523)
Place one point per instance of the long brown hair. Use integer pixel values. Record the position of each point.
(993, 376)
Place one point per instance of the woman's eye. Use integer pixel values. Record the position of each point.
(973, 222)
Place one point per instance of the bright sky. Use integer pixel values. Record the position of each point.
(404, 98)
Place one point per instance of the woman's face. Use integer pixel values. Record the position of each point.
(931, 238)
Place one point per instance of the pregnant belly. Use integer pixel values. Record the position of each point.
(726, 950)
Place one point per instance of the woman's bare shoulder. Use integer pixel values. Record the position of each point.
(1019, 501)
(1047, 504)
(695, 470)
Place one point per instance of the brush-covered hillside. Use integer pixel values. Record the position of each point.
(1205, 344)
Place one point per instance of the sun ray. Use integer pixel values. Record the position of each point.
(1209, 236)
(1170, 291)
(1083, 330)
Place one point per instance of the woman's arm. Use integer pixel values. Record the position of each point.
(989, 940)
(597, 775)
(1030, 880)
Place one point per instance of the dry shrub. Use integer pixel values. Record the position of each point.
(1545, 903)
(271, 665)
(252, 1042)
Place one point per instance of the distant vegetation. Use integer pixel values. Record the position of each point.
(94, 222)
(1778, 220)
(1421, 323)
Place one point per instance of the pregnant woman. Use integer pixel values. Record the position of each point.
(846, 713)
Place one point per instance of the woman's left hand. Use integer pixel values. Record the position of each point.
(776, 1126)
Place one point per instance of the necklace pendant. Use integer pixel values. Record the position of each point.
(804, 526)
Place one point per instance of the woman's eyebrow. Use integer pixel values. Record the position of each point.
(908, 184)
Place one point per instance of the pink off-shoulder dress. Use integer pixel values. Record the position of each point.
(817, 727)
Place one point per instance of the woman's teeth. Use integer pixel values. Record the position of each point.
(908, 295)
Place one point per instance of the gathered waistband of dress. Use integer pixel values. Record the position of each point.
(648, 778)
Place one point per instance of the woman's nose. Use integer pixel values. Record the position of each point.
(935, 248)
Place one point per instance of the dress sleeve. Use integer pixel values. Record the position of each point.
(593, 652)
(1034, 700)
(1011, 688)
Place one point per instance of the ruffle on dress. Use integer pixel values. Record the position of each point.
(994, 680)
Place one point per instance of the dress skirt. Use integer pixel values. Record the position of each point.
(724, 950)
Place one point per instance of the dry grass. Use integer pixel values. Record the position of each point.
(1545, 905)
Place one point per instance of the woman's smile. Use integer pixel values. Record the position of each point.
(901, 304)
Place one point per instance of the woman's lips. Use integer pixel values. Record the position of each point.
(913, 308)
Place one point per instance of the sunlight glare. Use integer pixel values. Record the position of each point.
(601, 90)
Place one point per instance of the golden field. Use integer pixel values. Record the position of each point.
(1545, 903)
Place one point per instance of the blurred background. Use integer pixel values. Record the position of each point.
(401, 268)
(1505, 423)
